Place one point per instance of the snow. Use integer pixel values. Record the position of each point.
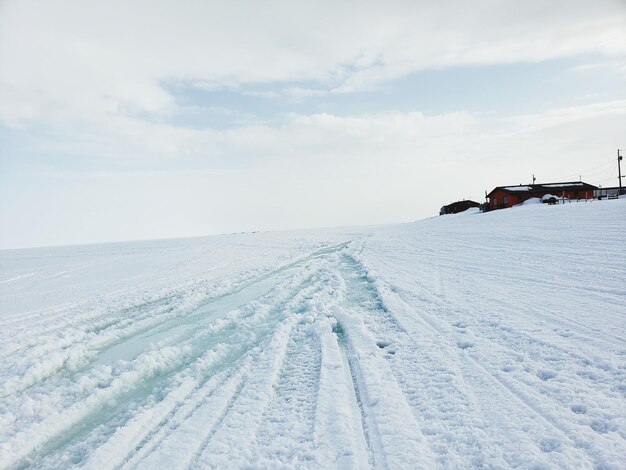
(538, 200)
(529, 188)
(560, 185)
(475, 340)
(529, 201)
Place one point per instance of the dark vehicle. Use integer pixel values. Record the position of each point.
(551, 200)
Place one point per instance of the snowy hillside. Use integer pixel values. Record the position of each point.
(470, 340)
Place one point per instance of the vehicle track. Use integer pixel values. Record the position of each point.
(289, 420)
(421, 364)
(188, 350)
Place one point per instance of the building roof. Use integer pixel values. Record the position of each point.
(545, 187)
(458, 206)
(464, 202)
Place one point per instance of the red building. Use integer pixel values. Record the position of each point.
(508, 196)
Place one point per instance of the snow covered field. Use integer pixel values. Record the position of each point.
(473, 340)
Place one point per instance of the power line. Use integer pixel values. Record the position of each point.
(610, 178)
(604, 164)
(589, 175)
(586, 172)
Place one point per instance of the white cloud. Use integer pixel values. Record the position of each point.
(316, 136)
(315, 170)
(76, 57)
(555, 117)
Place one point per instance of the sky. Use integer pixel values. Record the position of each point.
(131, 120)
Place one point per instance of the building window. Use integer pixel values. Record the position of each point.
(506, 200)
(495, 201)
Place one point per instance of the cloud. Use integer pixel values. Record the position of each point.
(555, 117)
(73, 58)
(318, 138)
(314, 170)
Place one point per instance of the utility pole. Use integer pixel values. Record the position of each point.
(619, 171)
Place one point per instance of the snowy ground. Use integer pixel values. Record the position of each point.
(474, 340)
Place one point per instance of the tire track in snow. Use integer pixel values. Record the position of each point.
(525, 437)
(395, 438)
(251, 334)
(187, 420)
(239, 426)
(534, 287)
(49, 355)
(300, 293)
(286, 431)
(340, 434)
(553, 411)
(488, 326)
(194, 325)
(301, 303)
(81, 313)
(94, 319)
(126, 325)
(260, 390)
(496, 279)
(427, 373)
(182, 402)
(578, 378)
(368, 429)
(63, 355)
(56, 429)
(149, 388)
(580, 437)
(183, 446)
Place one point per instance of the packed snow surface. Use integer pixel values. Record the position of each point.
(472, 340)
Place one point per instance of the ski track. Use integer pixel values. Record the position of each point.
(370, 351)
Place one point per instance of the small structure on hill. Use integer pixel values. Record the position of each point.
(458, 206)
(509, 196)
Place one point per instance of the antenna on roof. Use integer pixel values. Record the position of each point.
(534, 178)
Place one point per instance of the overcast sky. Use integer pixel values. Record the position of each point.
(126, 120)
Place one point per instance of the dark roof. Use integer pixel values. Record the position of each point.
(458, 206)
(545, 188)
